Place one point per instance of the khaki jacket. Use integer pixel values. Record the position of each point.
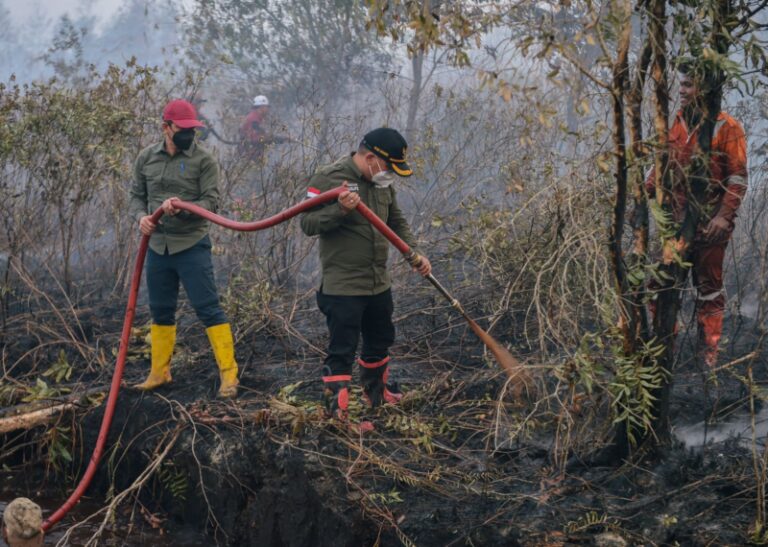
(191, 175)
(353, 253)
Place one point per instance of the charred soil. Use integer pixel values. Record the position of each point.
(458, 462)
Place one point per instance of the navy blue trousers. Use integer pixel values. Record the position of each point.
(194, 269)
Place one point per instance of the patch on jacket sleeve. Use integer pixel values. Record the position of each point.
(312, 192)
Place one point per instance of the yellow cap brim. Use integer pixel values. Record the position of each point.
(402, 169)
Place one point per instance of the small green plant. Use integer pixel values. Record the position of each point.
(418, 432)
(57, 440)
(41, 391)
(584, 369)
(387, 498)
(637, 378)
(174, 480)
(60, 370)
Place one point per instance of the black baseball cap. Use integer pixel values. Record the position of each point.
(390, 146)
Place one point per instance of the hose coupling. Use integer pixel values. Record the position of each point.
(414, 259)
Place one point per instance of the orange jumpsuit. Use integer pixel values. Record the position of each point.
(251, 129)
(727, 186)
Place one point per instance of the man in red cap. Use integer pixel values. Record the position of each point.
(179, 246)
(355, 294)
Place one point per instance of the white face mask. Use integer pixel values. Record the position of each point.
(382, 178)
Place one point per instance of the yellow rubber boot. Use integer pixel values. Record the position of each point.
(224, 350)
(162, 340)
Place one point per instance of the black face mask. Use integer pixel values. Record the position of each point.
(183, 139)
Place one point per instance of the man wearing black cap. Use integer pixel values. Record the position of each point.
(355, 294)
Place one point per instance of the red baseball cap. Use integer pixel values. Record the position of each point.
(182, 113)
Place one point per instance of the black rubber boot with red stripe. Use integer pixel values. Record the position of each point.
(336, 394)
(374, 376)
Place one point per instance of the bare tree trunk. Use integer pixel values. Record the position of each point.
(417, 65)
(618, 87)
(639, 258)
(627, 104)
(668, 298)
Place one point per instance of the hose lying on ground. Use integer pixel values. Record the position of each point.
(508, 362)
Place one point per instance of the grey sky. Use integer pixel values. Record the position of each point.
(22, 10)
(26, 11)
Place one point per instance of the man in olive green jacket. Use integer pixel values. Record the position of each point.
(355, 294)
(179, 247)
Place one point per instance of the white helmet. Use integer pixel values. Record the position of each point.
(260, 100)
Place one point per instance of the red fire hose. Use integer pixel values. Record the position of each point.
(508, 362)
(130, 311)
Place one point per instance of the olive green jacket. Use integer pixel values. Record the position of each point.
(191, 175)
(353, 253)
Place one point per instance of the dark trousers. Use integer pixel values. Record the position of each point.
(350, 316)
(194, 268)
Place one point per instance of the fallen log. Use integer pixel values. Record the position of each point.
(79, 396)
(32, 419)
(41, 412)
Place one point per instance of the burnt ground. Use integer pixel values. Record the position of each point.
(457, 463)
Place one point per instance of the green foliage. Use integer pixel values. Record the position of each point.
(42, 391)
(417, 431)
(174, 480)
(61, 369)
(387, 498)
(662, 216)
(57, 440)
(63, 150)
(585, 370)
(633, 389)
(631, 381)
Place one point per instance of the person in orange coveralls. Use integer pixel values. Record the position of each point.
(728, 184)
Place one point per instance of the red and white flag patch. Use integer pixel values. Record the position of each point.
(312, 192)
